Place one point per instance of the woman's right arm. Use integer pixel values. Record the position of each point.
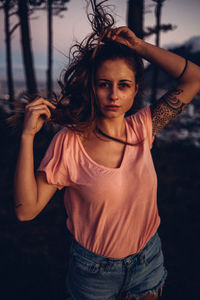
(31, 193)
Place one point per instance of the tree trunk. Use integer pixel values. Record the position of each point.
(135, 17)
(49, 68)
(155, 69)
(8, 53)
(26, 46)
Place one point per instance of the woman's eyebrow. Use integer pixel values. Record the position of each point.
(121, 80)
(104, 79)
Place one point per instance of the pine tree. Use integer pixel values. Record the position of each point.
(9, 8)
(23, 13)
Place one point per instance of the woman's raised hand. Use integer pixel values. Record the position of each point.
(124, 36)
(36, 113)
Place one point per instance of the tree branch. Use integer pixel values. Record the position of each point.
(13, 13)
(13, 29)
(163, 27)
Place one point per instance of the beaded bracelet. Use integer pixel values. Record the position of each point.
(182, 73)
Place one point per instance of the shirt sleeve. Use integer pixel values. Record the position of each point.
(54, 162)
(142, 124)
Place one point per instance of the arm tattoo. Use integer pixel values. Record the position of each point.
(166, 109)
(17, 205)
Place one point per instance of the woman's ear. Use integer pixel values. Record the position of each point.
(136, 88)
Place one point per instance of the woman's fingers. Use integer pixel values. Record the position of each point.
(40, 104)
(36, 106)
(36, 113)
(122, 35)
(40, 110)
(112, 33)
(39, 101)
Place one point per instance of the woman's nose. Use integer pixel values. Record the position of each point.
(113, 93)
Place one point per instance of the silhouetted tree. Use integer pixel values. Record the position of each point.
(135, 17)
(23, 13)
(135, 11)
(8, 7)
(156, 30)
(54, 7)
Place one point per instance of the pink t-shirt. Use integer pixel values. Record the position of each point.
(111, 211)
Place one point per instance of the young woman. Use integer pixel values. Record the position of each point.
(103, 159)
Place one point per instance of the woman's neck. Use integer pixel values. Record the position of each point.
(113, 127)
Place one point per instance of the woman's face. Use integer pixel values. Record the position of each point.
(115, 88)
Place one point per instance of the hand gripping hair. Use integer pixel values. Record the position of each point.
(76, 106)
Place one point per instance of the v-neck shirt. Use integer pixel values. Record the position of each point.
(111, 211)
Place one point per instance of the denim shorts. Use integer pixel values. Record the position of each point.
(94, 277)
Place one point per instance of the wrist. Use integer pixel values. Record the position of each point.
(27, 136)
(139, 46)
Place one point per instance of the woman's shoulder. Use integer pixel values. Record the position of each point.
(141, 124)
(63, 132)
(62, 136)
(141, 117)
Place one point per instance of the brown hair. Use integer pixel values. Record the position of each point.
(77, 106)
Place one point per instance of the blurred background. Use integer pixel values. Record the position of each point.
(35, 38)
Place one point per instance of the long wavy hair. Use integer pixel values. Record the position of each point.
(77, 105)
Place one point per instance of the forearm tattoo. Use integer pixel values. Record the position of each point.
(166, 109)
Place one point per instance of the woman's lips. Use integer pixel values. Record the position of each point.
(112, 107)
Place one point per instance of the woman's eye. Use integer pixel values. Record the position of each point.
(102, 84)
(124, 85)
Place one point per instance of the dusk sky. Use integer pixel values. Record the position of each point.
(74, 25)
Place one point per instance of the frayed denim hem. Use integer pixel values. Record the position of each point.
(157, 291)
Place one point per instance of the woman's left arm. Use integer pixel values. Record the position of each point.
(188, 85)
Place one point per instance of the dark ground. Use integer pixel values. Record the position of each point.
(33, 255)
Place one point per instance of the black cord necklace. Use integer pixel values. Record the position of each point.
(98, 130)
(113, 138)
